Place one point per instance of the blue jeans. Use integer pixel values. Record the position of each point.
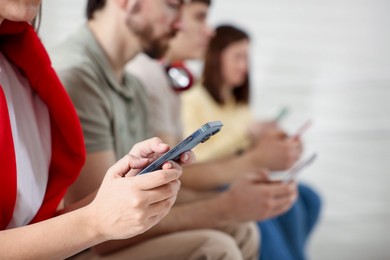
(284, 237)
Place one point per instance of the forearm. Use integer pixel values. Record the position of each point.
(203, 214)
(57, 238)
(216, 173)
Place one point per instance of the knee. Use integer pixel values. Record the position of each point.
(247, 238)
(311, 199)
(217, 245)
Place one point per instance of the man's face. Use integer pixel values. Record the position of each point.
(19, 10)
(155, 22)
(192, 40)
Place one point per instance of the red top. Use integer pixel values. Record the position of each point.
(21, 46)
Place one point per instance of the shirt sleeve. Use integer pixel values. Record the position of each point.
(92, 107)
(164, 104)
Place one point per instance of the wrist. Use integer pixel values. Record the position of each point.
(253, 157)
(225, 212)
(91, 225)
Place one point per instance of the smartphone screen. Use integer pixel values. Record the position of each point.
(295, 170)
(301, 130)
(199, 136)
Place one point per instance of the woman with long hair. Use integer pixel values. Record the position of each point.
(225, 95)
(42, 152)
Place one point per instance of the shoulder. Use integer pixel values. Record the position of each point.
(150, 72)
(73, 56)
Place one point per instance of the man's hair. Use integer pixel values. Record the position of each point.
(93, 6)
(225, 35)
(207, 2)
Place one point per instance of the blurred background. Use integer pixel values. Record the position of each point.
(328, 61)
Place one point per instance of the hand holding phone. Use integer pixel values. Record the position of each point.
(199, 136)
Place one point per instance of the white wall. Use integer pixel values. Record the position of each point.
(328, 60)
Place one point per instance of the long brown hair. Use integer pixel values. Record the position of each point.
(225, 35)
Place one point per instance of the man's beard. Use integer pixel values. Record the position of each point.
(155, 48)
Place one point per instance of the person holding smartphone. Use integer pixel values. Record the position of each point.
(238, 171)
(112, 106)
(224, 94)
(42, 152)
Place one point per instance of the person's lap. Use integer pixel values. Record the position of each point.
(285, 237)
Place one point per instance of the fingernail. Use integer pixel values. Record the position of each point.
(186, 157)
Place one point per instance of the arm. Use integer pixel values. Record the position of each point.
(220, 210)
(273, 151)
(91, 177)
(52, 239)
(123, 207)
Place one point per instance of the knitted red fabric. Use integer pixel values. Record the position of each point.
(21, 46)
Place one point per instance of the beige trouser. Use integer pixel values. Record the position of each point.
(234, 243)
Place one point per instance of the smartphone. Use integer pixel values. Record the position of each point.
(301, 130)
(199, 136)
(295, 170)
(281, 114)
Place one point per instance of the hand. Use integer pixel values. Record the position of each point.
(275, 151)
(153, 148)
(257, 129)
(254, 198)
(127, 206)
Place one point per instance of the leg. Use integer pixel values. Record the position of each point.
(246, 236)
(285, 237)
(192, 245)
(273, 242)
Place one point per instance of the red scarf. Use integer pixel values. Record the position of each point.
(21, 46)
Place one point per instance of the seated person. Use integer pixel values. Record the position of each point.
(224, 96)
(111, 105)
(42, 152)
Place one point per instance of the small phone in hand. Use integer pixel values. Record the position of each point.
(297, 168)
(199, 136)
(308, 123)
(281, 114)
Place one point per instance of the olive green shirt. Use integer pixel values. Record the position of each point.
(113, 115)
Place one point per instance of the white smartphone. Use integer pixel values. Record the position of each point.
(199, 136)
(297, 168)
(302, 129)
(281, 114)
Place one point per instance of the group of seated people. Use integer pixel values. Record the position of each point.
(77, 128)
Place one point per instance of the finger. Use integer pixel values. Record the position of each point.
(258, 176)
(283, 204)
(149, 147)
(187, 158)
(124, 165)
(156, 179)
(162, 207)
(277, 211)
(279, 133)
(163, 192)
(280, 189)
(171, 165)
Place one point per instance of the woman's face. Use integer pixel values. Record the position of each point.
(19, 10)
(235, 63)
